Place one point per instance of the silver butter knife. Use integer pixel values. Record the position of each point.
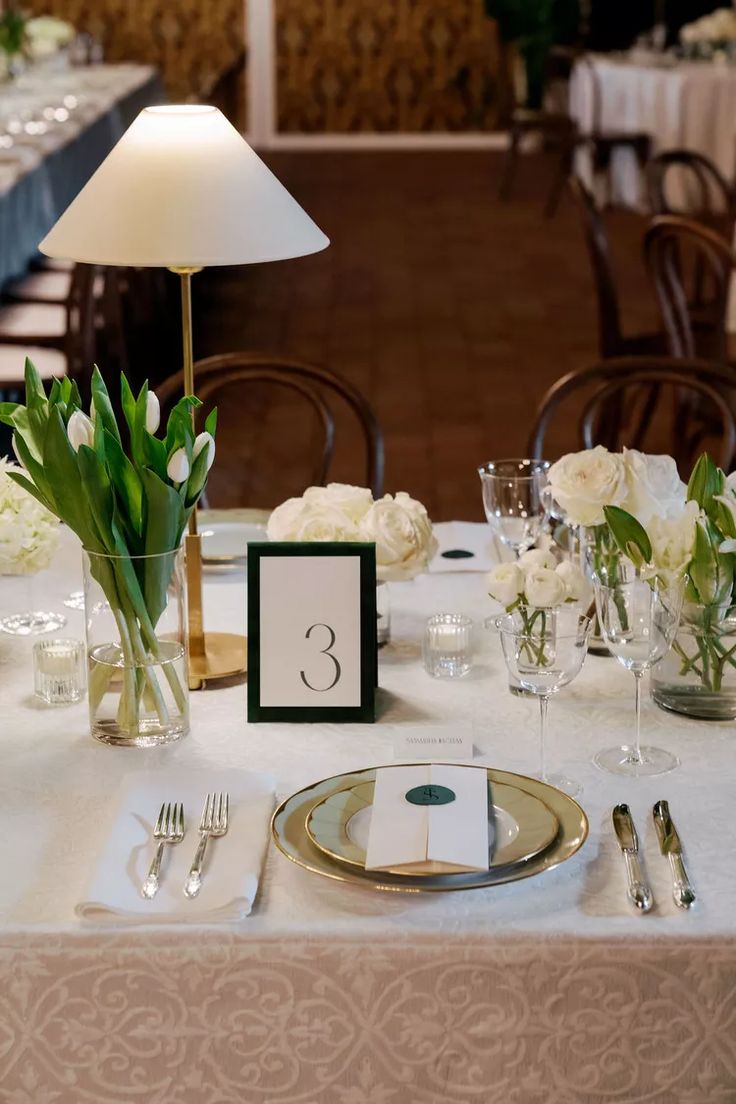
(639, 892)
(669, 845)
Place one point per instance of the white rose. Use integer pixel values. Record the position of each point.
(403, 536)
(577, 584)
(584, 482)
(506, 583)
(80, 430)
(544, 588)
(653, 486)
(537, 557)
(177, 468)
(673, 541)
(353, 501)
(299, 519)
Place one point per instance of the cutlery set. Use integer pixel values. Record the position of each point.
(170, 829)
(639, 891)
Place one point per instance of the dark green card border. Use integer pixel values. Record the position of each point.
(364, 712)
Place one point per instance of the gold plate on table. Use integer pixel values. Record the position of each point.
(521, 826)
(288, 828)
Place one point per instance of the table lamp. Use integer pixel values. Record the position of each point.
(183, 190)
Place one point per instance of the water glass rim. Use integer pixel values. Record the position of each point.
(518, 467)
(128, 556)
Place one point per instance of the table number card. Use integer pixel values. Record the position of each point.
(311, 632)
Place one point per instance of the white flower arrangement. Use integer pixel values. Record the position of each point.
(29, 533)
(718, 26)
(398, 525)
(538, 581)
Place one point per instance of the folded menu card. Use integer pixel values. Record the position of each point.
(232, 864)
(429, 838)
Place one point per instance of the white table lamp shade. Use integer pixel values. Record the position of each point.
(182, 189)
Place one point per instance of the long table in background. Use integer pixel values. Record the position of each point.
(41, 172)
(546, 991)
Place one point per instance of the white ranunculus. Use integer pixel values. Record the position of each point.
(177, 468)
(506, 583)
(673, 541)
(653, 486)
(29, 534)
(80, 430)
(403, 536)
(582, 483)
(153, 412)
(300, 520)
(537, 557)
(544, 589)
(201, 441)
(577, 584)
(353, 501)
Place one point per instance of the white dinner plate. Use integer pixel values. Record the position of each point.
(225, 543)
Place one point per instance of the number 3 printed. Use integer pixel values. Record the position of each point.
(324, 651)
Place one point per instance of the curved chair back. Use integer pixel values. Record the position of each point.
(312, 385)
(596, 240)
(690, 266)
(636, 384)
(708, 195)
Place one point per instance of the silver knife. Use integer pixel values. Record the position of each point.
(669, 845)
(639, 892)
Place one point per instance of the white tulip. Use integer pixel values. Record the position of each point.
(80, 430)
(578, 585)
(201, 441)
(537, 557)
(544, 589)
(92, 411)
(153, 412)
(505, 583)
(177, 468)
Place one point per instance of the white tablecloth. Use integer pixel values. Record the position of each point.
(549, 991)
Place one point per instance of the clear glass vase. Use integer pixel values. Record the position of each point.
(136, 648)
(697, 677)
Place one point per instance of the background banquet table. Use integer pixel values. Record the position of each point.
(685, 105)
(547, 991)
(40, 175)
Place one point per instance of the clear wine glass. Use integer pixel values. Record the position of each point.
(515, 500)
(544, 650)
(638, 620)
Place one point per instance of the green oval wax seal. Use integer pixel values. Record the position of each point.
(430, 795)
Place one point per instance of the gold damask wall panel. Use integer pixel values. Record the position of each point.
(388, 65)
(193, 43)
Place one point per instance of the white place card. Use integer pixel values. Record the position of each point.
(429, 838)
(451, 741)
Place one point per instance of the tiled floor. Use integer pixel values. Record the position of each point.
(451, 311)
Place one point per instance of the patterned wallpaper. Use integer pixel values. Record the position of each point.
(388, 65)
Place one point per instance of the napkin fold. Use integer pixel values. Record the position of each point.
(232, 864)
(465, 546)
(429, 839)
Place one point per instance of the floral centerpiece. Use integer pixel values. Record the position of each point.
(29, 533)
(714, 31)
(128, 496)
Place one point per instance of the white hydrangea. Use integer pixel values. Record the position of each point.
(29, 534)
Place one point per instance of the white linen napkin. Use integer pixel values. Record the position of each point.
(429, 839)
(463, 537)
(232, 863)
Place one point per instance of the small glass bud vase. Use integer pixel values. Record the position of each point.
(383, 614)
(697, 677)
(136, 648)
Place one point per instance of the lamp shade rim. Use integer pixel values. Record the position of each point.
(82, 256)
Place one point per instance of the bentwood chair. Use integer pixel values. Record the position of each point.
(690, 266)
(277, 419)
(611, 341)
(628, 384)
(707, 195)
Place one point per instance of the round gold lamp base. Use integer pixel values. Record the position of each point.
(225, 656)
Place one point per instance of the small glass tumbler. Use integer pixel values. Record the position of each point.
(59, 671)
(447, 648)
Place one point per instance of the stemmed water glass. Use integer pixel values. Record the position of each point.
(544, 650)
(638, 619)
(515, 500)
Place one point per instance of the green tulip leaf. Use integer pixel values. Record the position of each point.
(629, 534)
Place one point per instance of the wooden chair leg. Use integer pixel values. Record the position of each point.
(510, 163)
(565, 167)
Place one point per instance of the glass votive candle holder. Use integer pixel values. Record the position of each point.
(59, 671)
(447, 648)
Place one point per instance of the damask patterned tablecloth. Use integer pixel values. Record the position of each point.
(547, 991)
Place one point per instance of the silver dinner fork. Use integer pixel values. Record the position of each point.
(213, 822)
(169, 829)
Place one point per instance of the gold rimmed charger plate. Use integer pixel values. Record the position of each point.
(521, 826)
(288, 828)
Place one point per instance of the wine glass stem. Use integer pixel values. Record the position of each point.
(636, 755)
(543, 703)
